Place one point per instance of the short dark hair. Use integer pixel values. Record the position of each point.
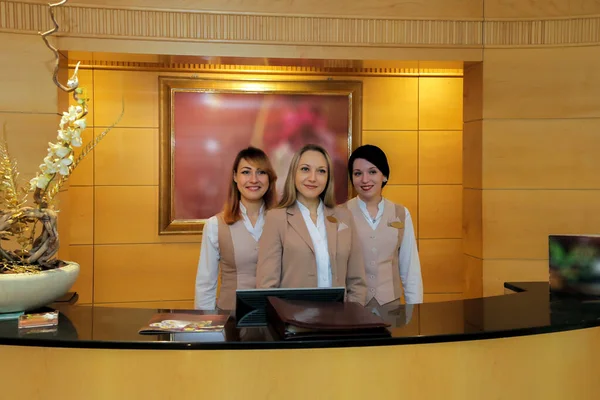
(372, 154)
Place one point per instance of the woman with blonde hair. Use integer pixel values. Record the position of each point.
(230, 239)
(307, 241)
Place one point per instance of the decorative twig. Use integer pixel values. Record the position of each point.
(71, 85)
(54, 50)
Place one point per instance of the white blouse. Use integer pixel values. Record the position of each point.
(408, 256)
(208, 265)
(318, 235)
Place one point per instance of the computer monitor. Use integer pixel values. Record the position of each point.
(250, 304)
(575, 264)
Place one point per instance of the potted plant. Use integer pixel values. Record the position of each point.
(30, 274)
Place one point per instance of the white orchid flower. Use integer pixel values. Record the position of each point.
(71, 114)
(40, 181)
(63, 168)
(80, 123)
(59, 150)
(33, 183)
(50, 165)
(76, 138)
(60, 158)
(73, 82)
(65, 135)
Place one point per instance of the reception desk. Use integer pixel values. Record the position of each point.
(525, 344)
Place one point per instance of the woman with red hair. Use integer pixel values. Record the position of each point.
(230, 239)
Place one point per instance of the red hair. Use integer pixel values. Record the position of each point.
(258, 158)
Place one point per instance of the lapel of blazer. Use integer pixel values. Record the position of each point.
(331, 227)
(296, 220)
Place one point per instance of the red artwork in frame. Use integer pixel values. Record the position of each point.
(204, 123)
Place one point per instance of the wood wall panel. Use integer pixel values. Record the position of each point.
(20, 130)
(63, 204)
(442, 265)
(472, 153)
(440, 157)
(435, 112)
(127, 156)
(390, 104)
(473, 277)
(441, 297)
(440, 211)
(153, 272)
(516, 223)
(407, 196)
(81, 224)
(519, 9)
(496, 272)
(472, 228)
(401, 151)
(473, 92)
(137, 90)
(129, 214)
(28, 75)
(542, 83)
(541, 154)
(84, 285)
(84, 173)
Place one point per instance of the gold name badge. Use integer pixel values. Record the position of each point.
(332, 219)
(396, 224)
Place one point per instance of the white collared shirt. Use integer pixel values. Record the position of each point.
(318, 235)
(408, 255)
(208, 265)
(257, 229)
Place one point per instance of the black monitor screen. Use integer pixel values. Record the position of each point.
(250, 308)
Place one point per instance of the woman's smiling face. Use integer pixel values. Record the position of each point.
(311, 175)
(252, 182)
(367, 179)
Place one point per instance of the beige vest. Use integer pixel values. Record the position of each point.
(237, 267)
(380, 251)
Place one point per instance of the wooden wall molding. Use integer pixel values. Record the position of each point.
(339, 70)
(542, 32)
(101, 22)
(89, 21)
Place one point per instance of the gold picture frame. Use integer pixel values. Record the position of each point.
(204, 122)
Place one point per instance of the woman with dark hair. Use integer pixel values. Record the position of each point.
(230, 238)
(307, 241)
(386, 233)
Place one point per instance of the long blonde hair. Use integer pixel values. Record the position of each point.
(290, 193)
(258, 158)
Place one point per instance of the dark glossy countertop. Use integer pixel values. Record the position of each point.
(529, 310)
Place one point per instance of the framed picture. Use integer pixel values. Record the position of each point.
(205, 123)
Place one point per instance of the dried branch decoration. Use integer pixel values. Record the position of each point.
(17, 221)
(54, 50)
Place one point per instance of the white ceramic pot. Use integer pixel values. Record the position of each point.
(23, 292)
